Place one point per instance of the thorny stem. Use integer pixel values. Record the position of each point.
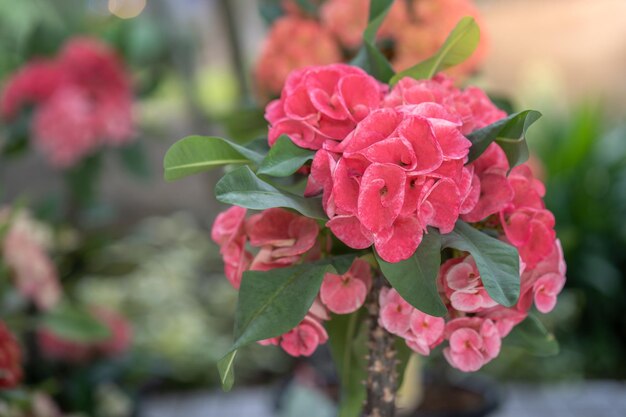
(382, 377)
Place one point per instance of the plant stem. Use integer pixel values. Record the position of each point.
(382, 377)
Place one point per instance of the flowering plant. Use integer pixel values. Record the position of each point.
(417, 223)
(310, 32)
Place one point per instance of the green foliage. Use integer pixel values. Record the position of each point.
(284, 158)
(508, 133)
(74, 324)
(459, 45)
(272, 303)
(498, 262)
(369, 57)
(532, 336)
(347, 337)
(243, 188)
(195, 154)
(415, 279)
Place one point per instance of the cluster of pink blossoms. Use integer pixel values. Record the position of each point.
(388, 165)
(412, 31)
(281, 238)
(82, 100)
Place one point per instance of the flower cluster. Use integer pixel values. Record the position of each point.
(278, 238)
(412, 31)
(10, 359)
(57, 347)
(82, 100)
(24, 253)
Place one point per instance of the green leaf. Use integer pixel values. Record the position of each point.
(498, 262)
(271, 303)
(195, 154)
(348, 345)
(459, 45)
(225, 366)
(284, 158)
(404, 355)
(369, 58)
(75, 324)
(509, 133)
(274, 302)
(415, 278)
(243, 188)
(534, 337)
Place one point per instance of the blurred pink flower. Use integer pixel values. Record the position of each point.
(344, 294)
(10, 359)
(292, 43)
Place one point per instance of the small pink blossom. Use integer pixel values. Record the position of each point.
(344, 294)
(473, 342)
(305, 338)
(463, 286)
(229, 232)
(35, 275)
(544, 282)
(425, 332)
(395, 312)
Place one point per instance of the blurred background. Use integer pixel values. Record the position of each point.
(121, 239)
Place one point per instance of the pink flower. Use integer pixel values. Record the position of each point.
(544, 282)
(304, 339)
(82, 99)
(430, 23)
(292, 43)
(283, 237)
(399, 171)
(425, 332)
(322, 104)
(56, 347)
(504, 318)
(495, 192)
(463, 286)
(10, 359)
(229, 233)
(471, 106)
(121, 333)
(35, 275)
(473, 342)
(531, 231)
(347, 19)
(395, 312)
(64, 129)
(344, 294)
(33, 84)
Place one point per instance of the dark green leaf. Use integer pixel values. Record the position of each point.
(83, 180)
(459, 45)
(509, 133)
(348, 345)
(75, 324)
(195, 154)
(225, 366)
(534, 337)
(271, 303)
(284, 158)
(243, 188)
(415, 278)
(369, 57)
(498, 262)
(274, 302)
